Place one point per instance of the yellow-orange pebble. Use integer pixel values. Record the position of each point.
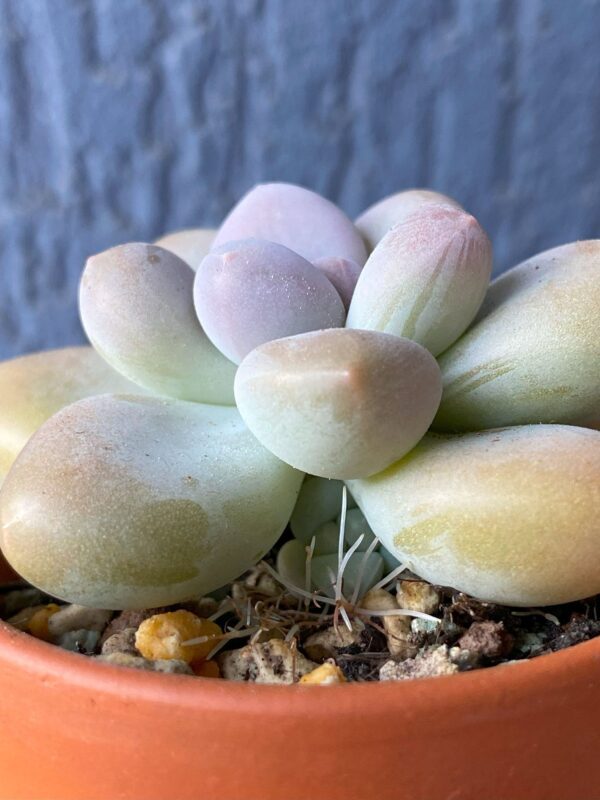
(163, 635)
(207, 669)
(34, 620)
(324, 675)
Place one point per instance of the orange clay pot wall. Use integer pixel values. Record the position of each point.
(73, 729)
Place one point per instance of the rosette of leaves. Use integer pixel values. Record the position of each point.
(228, 365)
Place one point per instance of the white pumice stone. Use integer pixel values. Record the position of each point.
(265, 662)
(75, 618)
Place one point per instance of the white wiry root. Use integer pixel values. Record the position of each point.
(415, 598)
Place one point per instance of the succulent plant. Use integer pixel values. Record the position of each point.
(315, 525)
(133, 480)
(315, 400)
(426, 279)
(381, 217)
(533, 354)
(137, 309)
(251, 292)
(509, 515)
(143, 501)
(34, 387)
(190, 244)
(297, 218)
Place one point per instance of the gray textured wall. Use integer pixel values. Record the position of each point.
(120, 119)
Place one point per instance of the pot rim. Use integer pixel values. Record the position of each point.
(512, 682)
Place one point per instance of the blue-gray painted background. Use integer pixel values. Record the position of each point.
(121, 119)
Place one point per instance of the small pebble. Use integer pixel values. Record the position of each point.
(423, 626)
(163, 635)
(579, 628)
(129, 619)
(35, 620)
(464, 659)
(487, 640)
(270, 662)
(266, 634)
(324, 675)
(121, 642)
(397, 628)
(81, 641)
(451, 629)
(75, 618)
(137, 662)
(257, 581)
(429, 663)
(240, 592)
(203, 607)
(417, 596)
(529, 643)
(326, 643)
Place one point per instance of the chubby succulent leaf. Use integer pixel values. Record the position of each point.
(36, 386)
(251, 292)
(355, 526)
(343, 274)
(134, 502)
(339, 403)
(327, 538)
(319, 502)
(426, 279)
(291, 563)
(368, 569)
(533, 354)
(509, 515)
(379, 218)
(190, 245)
(295, 217)
(136, 305)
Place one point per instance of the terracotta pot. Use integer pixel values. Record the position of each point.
(76, 729)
